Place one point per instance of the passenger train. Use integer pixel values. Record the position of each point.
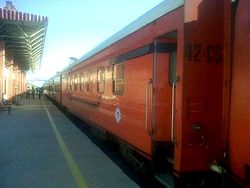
(173, 87)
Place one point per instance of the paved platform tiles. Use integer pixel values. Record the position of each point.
(40, 147)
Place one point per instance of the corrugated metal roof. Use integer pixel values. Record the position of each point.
(24, 36)
(155, 13)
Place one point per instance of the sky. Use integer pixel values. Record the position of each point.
(77, 26)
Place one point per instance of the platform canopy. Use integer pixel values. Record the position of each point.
(24, 36)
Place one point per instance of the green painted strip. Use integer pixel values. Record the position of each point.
(80, 182)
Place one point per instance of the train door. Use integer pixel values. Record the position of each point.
(165, 61)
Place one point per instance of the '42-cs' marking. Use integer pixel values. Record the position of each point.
(194, 52)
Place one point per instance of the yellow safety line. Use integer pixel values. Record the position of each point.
(80, 182)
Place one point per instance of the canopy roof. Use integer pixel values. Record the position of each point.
(24, 36)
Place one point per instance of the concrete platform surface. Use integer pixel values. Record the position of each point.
(41, 148)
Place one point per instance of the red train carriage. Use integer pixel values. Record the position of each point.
(52, 88)
(163, 86)
(239, 130)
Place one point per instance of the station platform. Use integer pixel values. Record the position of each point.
(40, 147)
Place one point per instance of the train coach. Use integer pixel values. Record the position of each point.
(173, 87)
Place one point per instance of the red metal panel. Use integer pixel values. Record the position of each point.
(202, 84)
(163, 99)
(240, 100)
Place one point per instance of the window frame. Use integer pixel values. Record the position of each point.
(71, 82)
(81, 82)
(76, 81)
(89, 82)
(101, 79)
(116, 90)
(68, 82)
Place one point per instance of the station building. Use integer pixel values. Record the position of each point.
(22, 38)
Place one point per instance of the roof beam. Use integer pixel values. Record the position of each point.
(39, 31)
(22, 31)
(12, 36)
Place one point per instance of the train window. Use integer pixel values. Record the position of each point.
(89, 81)
(71, 82)
(68, 83)
(76, 82)
(118, 79)
(101, 80)
(81, 82)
